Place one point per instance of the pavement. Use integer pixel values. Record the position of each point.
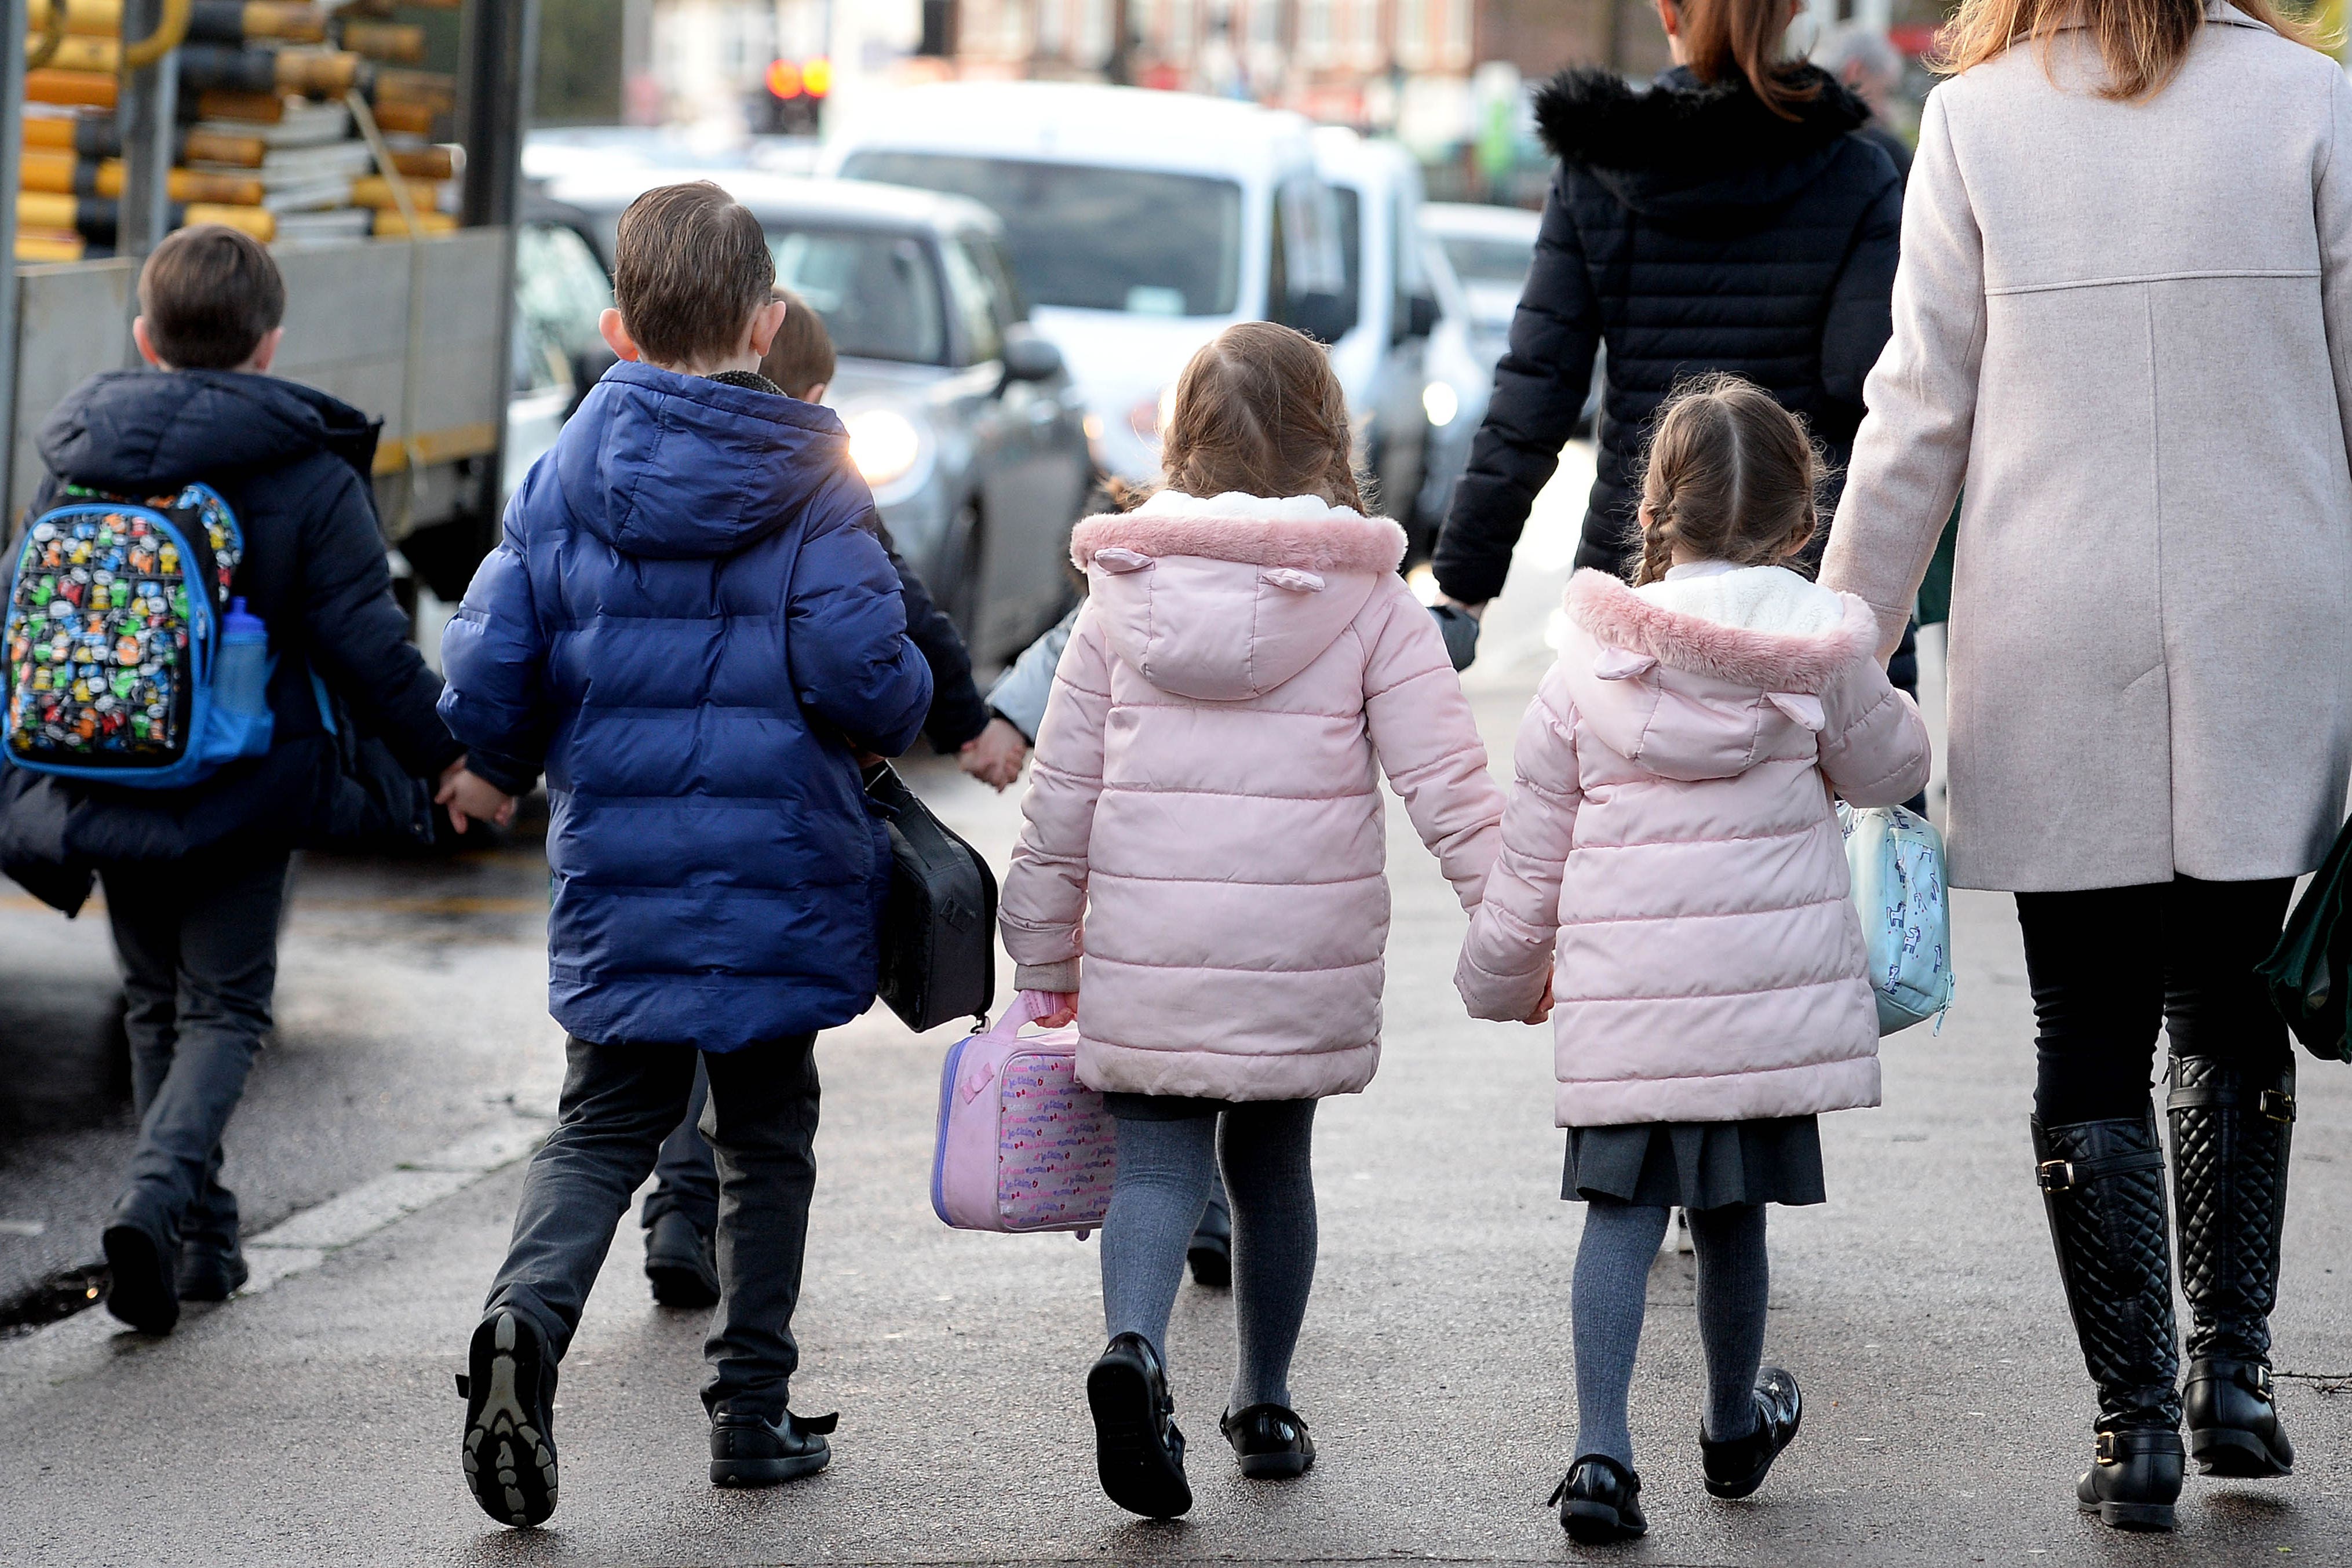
(315, 1421)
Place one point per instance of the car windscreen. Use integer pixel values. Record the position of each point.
(1493, 272)
(877, 291)
(1136, 240)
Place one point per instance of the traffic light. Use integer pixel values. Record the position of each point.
(795, 96)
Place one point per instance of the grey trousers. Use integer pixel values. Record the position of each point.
(619, 1103)
(197, 941)
(686, 1178)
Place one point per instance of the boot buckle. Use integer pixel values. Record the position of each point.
(2277, 1105)
(2104, 1450)
(2055, 1175)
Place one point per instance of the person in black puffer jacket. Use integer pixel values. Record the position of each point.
(1694, 227)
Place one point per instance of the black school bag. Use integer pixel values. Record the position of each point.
(938, 930)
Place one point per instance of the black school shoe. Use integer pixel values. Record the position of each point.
(1600, 1502)
(681, 1263)
(1139, 1452)
(208, 1272)
(1270, 1440)
(1738, 1465)
(1211, 1251)
(509, 1389)
(142, 1289)
(748, 1450)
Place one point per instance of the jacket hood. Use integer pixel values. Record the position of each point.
(1704, 674)
(1224, 598)
(143, 431)
(1682, 150)
(672, 466)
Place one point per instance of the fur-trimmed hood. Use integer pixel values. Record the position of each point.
(1695, 677)
(1226, 597)
(1682, 148)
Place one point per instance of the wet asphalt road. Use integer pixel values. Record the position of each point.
(315, 1422)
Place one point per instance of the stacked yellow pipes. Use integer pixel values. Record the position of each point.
(265, 81)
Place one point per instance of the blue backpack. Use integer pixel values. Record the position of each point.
(128, 662)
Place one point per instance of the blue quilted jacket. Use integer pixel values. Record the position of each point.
(687, 627)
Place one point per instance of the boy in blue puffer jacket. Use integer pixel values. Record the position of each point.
(690, 626)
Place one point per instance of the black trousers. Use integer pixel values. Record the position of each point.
(619, 1103)
(2108, 964)
(198, 940)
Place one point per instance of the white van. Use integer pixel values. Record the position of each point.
(1140, 224)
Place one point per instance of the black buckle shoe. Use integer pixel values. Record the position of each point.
(1599, 1501)
(1270, 1439)
(681, 1262)
(2234, 1426)
(142, 1289)
(1736, 1466)
(748, 1450)
(1139, 1452)
(2135, 1478)
(208, 1272)
(509, 1389)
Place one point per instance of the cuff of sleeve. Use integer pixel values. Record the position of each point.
(504, 774)
(1061, 979)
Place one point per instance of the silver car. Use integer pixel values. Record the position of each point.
(962, 421)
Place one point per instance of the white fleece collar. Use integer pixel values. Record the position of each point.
(1754, 598)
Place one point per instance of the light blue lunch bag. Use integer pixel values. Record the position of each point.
(1896, 861)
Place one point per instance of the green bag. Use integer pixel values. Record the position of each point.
(2308, 973)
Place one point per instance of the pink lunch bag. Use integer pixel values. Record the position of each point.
(1022, 1144)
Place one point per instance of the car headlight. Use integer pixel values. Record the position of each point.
(885, 445)
(1441, 402)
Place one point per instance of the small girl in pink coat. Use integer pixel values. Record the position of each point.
(1671, 836)
(1205, 849)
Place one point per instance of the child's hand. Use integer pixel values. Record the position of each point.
(1066, 1011)
(471, 797)
(994, 755)
(1543, 1008)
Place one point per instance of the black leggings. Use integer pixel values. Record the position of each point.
(2109, 963)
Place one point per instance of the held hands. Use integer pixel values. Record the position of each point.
(472, 798)
(994, 755)
(1066, 1011)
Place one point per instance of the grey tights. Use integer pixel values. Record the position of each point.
(1611, 1284)
(1164, 1170)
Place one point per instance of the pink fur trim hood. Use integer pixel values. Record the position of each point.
(1619, 617)
(1300, 532)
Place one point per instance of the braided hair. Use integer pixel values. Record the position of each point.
(1258, 410)
(1729, 475)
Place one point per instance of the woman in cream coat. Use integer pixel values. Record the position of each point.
(2124, 317)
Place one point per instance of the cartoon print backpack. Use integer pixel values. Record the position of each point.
(1023, 1145)
(1895, 858)
(128, 662)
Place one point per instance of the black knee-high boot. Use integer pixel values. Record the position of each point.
(2103, 1184)
(2230, 1131)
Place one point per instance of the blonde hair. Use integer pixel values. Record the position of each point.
(1729, 475)
(2143, 43)
(1258, 410)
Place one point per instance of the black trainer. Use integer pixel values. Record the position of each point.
(509, 1389)
(209, 1273)
(1738, 1465)
(1211, 1251)
(140, 1290)
(748, 1451)
(681, 1262)
(1600, 1502)
(1270, 1440)
(1139, 1452)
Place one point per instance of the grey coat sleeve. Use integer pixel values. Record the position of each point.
(1021, 692)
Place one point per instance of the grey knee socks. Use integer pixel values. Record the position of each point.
(1164, 1175)
(1611, 1286)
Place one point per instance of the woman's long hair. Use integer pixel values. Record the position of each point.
(1728, 38)
(2143, 42)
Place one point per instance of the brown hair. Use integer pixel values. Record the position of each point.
(801, 358)
(2142, 42)
(1723, 39)
(1729, 475)
(1258, 410)
(690, 266)
(210, 294)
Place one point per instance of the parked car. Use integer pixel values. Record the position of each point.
(561, 289)
(1376, 191)
(962, 419)
(1477, 259)
(1139, 224)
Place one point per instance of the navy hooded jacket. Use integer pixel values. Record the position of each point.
(688, 625)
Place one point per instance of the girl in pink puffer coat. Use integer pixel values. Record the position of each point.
(1671, 836)
(1202, 862)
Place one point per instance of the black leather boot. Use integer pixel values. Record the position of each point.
(2230, 1137)
(2103, 1184)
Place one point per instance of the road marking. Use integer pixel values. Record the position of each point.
(22, 1226)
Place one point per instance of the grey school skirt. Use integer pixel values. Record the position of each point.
(1696, 1164)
